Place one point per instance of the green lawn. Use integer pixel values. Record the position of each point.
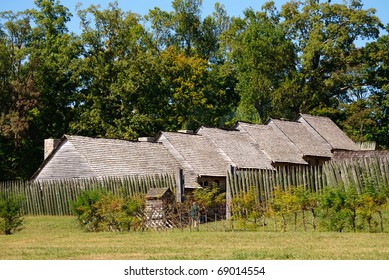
(61, 238)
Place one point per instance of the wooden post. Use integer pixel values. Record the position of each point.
(180, 184)
(230, 173)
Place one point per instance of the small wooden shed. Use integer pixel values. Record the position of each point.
(157, 200)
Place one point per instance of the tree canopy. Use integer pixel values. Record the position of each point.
(126, 75)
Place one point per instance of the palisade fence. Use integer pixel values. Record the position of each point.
(53, 197)
(358, 174)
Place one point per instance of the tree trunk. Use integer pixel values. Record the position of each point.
(304, 223)
(313, 219)
(295, 221)
(283, 223)
(381, 221)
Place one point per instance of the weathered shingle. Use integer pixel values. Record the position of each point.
(326, 129)
(112, 157)
(238, 147)
(78, 157)
(363, 154)
(195, 153)
(157, 193)
(275, 144)
(302, 138)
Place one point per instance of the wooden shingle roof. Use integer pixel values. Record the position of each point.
(238, 147)
(157, 193)
(363, 154)
(78, 157)
(113, 157)
(275, 144)
(302, 138)
(326, 129)
(195, 153)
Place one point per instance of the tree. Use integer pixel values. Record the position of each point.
(161, 24)
(185, 79)
(213, 26)
(18, 97)
(11, 217)
(186, 23)
(38, 87)
(285, 202)
(184, 28)
(120, 95)
(264, 59)
(325, 37)
(378, 99)
(302, 58)
(211, 200)
(52, 53)
(246, 207)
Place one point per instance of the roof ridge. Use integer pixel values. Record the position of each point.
(282, 132)
(81, 154)
(259, 145)
(221, 151)
(191, 169)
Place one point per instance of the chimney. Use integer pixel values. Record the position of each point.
(50, 145)
(146, 139)
(186, 131)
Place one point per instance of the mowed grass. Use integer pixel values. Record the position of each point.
(60, 238)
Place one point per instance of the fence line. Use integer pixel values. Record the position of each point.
(358, 174)
(53, 197)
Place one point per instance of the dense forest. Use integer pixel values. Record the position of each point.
(127, 75)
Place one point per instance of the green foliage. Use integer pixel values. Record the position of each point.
(211, 199)
(99, 211)
(84, 207)
(337, 206)
(373, 201)
(263, 57)
(333, 209)
(343, 209)
(11, 217)
(378, 99)
(284, 202)
(118, 213)
(247, 210)
(126, 76)
(306, 201)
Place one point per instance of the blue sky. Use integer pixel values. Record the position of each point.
(233, 7)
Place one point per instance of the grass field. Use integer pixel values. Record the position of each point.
(60, 238)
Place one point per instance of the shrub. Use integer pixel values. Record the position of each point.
(212, 200)
(306, 201)
(85, 208)
(339, 208)
(100, 211)
(11, 218)
(371, 202)
(284, 202)
(119, 213)
(247, 210)
(343, 209)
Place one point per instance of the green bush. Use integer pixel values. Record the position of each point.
(372, 201)
(11, 217)
(100, 211)
(333, 209)
(247, 210)
(119, 213)
(85, 208)
(212, 200)
(343, 209)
